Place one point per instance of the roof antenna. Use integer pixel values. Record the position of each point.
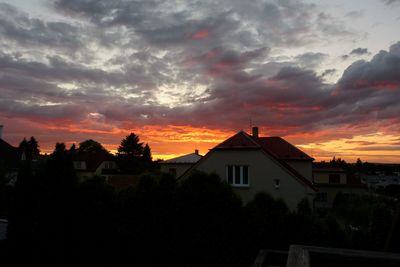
(251, 125)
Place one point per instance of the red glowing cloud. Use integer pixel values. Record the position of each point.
(200, 35)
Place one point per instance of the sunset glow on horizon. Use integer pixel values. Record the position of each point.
(324, 75)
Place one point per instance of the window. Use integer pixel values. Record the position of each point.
(237, 175)
(277, 183)
(109, 165)
(334, 178)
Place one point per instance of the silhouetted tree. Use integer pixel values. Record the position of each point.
(132, 156)
(209, 212)
(34, 146)
(131, 147)
(29, 148)
(267, 219)
(147, 154)
(72, 150)
(90, 146)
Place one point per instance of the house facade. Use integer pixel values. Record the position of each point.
(253, 164)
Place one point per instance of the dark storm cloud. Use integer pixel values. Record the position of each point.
(328, 72)
(356, 52)
(359, 51)
(224, 46)
(173, 22)
(389, 2)
(382, 72)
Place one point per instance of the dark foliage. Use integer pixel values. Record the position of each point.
(159, 222)
(91, 147)
(133, 157)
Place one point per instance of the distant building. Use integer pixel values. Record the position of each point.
(179, 165)
(252, 164)
(380, 181)
(95, 164)
(10, 158)
(330, 179)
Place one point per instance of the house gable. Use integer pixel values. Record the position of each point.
(265, 174)
(263, 167)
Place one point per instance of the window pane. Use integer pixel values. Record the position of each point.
(245, 175)
(230, 174)
(277, 183)
(237, 175)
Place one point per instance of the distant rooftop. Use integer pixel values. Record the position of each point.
(188, 158)
(326, 167)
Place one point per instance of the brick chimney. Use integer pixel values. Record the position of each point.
(255, 132)
(196, 151)
(1, 131)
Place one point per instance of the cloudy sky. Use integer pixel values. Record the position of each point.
(325, 75)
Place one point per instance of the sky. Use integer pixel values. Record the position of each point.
(185, 75)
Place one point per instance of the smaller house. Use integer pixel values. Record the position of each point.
(330, 179)
(179, 165)
(95, 164)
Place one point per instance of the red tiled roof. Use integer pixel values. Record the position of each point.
(276, 147)
(239, 140)
(282, 149)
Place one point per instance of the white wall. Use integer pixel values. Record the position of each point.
(303, 167)
(323, 177)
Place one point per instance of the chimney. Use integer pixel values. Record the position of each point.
(196, 151)
(255, 132)
(1, 131)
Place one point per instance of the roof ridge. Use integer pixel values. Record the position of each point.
(251, 139)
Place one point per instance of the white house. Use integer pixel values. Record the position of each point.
(253, 164)
(330, 179)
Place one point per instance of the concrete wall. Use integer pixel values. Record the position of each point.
(303, 167)
(263, 170)
(180, 168)
(323, 177)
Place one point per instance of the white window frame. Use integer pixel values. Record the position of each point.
(240, 184)
(277, 183)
